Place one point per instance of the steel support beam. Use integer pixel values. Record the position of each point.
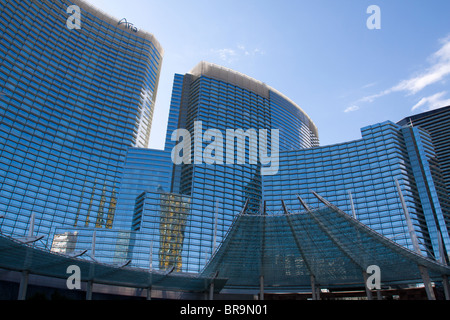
(89, 287)
(379, 295)
(261, 287)
(446, 287)
(427, 283)
(23, 286)
(149, 293)
(368, 291)
(415, 241)
(211, 291)
(313, 287)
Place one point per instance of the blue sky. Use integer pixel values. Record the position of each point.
(319, 53)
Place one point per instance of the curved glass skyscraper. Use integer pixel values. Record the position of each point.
(359, 178)
(209, 192)
(73, 101)
(202, 200)
(239, 107)
(77, 96)
(436, 123)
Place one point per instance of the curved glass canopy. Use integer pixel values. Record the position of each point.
(286, 250)
(18, 256)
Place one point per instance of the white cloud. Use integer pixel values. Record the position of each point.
(226, 54)
(369, 85)
(439, 69)
(433, 102)
(247, 52)
(375, 96)
(351, 109)
(437, 72)
(232, 54)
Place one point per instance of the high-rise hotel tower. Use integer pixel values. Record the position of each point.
(76, 106)
(73, 100)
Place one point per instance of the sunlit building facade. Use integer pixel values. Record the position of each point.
(437, 124)
(73, 102)
(76, 108)
(360, 177)
(222, 99)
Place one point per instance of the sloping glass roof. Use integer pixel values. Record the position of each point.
(326, 242)
(286, 249)
(17, 256)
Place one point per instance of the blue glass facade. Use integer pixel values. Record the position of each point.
(437, 124)
(76, 110)
(73, 102)
(145, 198)
(363, 172)
(428, 178)
(221, 104)
(215, 193)
(222, 99)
